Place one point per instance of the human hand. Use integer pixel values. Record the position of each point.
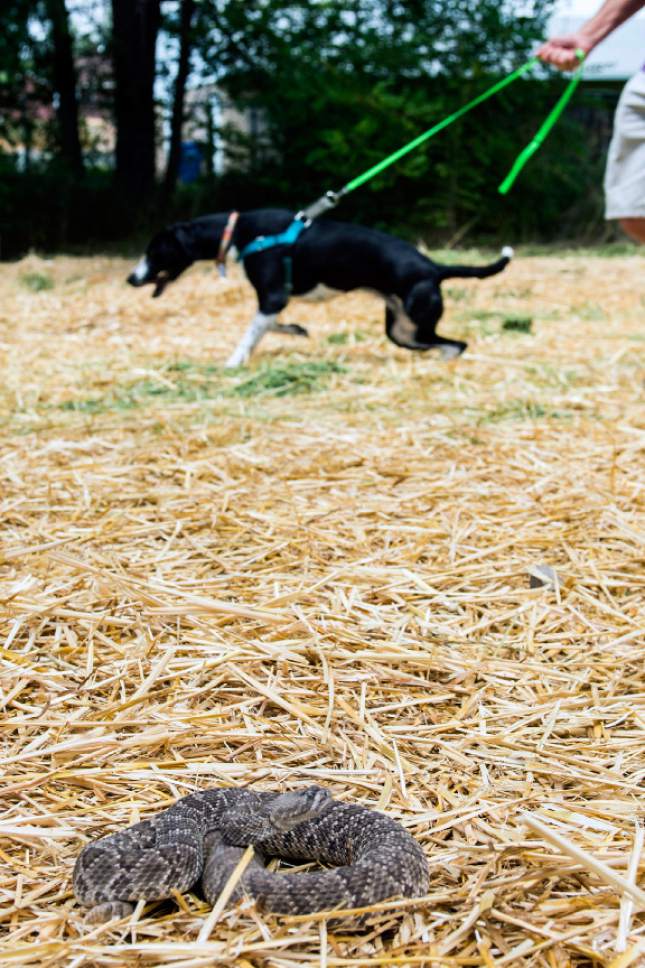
(561, 51)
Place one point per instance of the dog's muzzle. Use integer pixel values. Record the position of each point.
(141, 276)
(161, 282)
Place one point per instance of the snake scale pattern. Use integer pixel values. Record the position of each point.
(201, 838)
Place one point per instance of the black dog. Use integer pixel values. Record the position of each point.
(327, 256)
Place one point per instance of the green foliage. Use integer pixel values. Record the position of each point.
(23, 74)
(334, 85)
(36, 281)
(47, 209)
(340, 85)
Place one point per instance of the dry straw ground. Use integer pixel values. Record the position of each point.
(315, 570)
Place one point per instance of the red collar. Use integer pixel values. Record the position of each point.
(225, 242)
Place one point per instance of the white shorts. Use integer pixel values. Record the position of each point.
(625, 173)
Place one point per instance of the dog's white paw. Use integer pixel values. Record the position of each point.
(449, 352)
(234, 361)
(508, 252)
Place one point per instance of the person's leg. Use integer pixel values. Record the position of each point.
(634, 228)
(625, 173)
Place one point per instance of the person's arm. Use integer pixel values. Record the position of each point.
(561, 51)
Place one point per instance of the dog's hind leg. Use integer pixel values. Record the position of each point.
(260, 324)
(449, 348)
(411, 324)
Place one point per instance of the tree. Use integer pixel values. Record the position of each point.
(64, 83)
(21, 81)
(134, 40)
(187, 11)
(329, 87)
(339, 84)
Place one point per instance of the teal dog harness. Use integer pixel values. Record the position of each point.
(288, 237)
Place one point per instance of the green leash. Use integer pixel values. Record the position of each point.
(411, 145)
(331, 199)
(541, 135)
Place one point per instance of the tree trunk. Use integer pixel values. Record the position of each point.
(64, 78)
(209, 122)
(183, 71)
(135, 29)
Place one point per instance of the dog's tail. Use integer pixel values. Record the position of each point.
(477, 272)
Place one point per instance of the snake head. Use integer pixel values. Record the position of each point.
(290, 809)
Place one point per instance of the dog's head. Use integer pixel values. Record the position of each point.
(166, 257)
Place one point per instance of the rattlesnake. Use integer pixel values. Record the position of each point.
(203, 836)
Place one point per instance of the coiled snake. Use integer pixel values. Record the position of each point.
(202, 837)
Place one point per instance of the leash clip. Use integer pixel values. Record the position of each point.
(323, 204)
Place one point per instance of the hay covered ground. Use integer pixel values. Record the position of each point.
(316, 570)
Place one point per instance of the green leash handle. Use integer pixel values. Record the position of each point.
(551, 119)
(411, 145)
(330, 199)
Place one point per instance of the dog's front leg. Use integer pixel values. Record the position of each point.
(260, 324)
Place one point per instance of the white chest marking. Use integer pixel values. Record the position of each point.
(140, 271)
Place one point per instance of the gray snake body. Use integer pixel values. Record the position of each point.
(201, 838)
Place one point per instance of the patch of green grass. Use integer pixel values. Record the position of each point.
(523, 292)
(522, 410)
(341, 339)
(36, 281)
(89, 405)
(189, 366)
(478, 321)
(275, 380)
(547, 375)
(288, 379)
(517, 324)
(180, 390)
(614, 249)
(139, 393)
(483, 315)
(482, 320)
(459, 294)
(620, 247)
(591, 311)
